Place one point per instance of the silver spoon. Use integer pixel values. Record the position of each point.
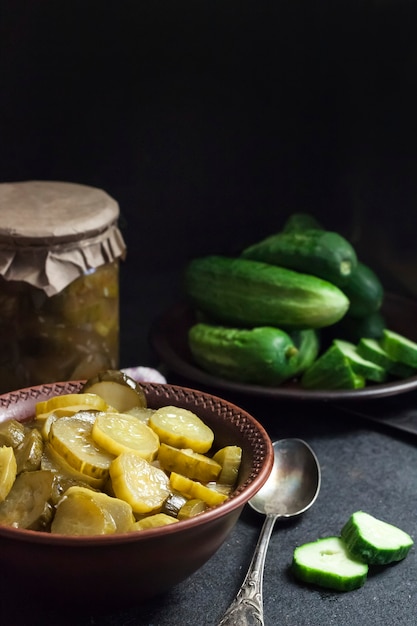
(291, 489)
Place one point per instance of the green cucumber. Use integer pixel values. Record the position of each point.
(372, 350)
(364, 290)
(322, 253)
(308, 344)
(327, 563)
(332, 370)
(373, 541)
(399, 348)
(356, 328)
(247, 293)
(301, 221)
(263, 355)
(368, 369)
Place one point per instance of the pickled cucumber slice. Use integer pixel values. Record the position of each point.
(42, 419)
(12, 433)
(28, 502)
(230, 458)
(139, 483)
(71, 437)
(193, 489)
(189, 463)
(181, 428)
(375, 541)
(29, 452)
(154, 521)
(191, 508)
(119, 510)
(118, 432)
(141, 413)
(8, 470)
(79, 513)
(173, 504)
(327, 563)
(54, 462)
(118, 389)
(89, 400)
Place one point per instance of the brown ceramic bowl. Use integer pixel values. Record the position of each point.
(128, 568)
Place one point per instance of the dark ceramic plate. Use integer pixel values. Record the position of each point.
(168, 337)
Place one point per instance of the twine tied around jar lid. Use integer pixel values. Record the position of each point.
(53, 232)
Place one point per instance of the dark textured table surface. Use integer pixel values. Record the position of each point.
(364, 466)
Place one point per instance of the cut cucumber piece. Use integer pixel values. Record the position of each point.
(332, 370)
(399, 348)
(374, 541)
(372, 350)
(327, 563)
(368, 369)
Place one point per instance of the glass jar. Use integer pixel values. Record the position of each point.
(59, 283)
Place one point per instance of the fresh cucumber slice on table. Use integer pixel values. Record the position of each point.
(375, 541)
(327, 563)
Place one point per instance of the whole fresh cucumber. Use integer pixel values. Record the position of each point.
(262, 355)
(247, 293)
(323, 253)
(364, 290)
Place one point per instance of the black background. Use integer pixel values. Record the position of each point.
(209, 122)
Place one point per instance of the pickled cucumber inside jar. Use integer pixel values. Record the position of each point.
(59, 283)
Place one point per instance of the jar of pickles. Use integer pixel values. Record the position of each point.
(60, 248)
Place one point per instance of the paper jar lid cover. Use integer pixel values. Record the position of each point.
(53, 232)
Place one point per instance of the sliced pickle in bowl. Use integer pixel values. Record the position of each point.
(29, 453)
(154, 521)
(73, 401)
(189, 463)
(118, 389)
(28, 504)
(121, 432)
(12, 433)
(82, 511)
(8, 471)
(66, 475)
(139, 483)
(71, 437)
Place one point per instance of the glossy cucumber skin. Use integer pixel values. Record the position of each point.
(262, 355)
(372, 350)
(364, 290)
(332, 370)
(247, 293)
(399, 347)
(373, 550)
(361, 366)
(315, 251)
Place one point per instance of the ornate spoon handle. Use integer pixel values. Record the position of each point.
(247, 607)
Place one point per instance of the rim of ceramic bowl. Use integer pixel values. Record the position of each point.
(11, 407)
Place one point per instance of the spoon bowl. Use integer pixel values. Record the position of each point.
(291, 489)
(294, 483)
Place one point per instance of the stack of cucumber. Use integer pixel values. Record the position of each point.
(262, 316)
